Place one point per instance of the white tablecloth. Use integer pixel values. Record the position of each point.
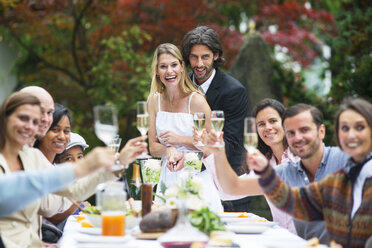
(273, 237)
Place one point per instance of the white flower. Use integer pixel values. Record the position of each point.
(191, 156)
(197, 182)
(153, 164)
(171, 202)
(194, 202)
(171, 192)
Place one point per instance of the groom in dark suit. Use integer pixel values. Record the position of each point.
(202, 51)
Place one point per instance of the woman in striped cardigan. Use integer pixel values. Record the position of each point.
(343, 199)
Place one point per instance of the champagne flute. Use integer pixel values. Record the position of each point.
(106, 126)
(250, 136)
(142, 122)
(199, 123)
(217, 120)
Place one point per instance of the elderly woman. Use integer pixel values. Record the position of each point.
(342, 199)
(19, 119)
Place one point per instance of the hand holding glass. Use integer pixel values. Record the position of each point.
(218, 120)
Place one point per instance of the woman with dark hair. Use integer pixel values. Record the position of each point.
(271, 139)
(343, 199)
(56, 139)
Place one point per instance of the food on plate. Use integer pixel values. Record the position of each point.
(243, 216)
(80, 218)
(260, 220)
(91, 210)
(85, 223)
(206, 221)
(221, 238)
(158, 221)
(313, 242)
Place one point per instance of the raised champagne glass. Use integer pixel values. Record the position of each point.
(250, 135)
(199, 124)
(217, 120)
(142, 123)
(106, 126)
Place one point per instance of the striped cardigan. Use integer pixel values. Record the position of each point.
(330, 200)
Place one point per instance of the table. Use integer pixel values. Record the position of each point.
(273, 237)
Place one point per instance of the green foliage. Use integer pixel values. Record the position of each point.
(351, 60)
(294, 91)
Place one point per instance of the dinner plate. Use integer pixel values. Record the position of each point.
(234, 214)
(84, 238)
(91, 230)
(253, 229)
(253, 223)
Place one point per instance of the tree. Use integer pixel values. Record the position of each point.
(96, 51)
(351, 60)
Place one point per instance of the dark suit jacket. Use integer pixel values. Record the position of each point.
(228, 94)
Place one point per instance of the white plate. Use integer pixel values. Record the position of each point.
(253, 223)
(254, 229)
(91, 230)
(84, 238)
(234, 214)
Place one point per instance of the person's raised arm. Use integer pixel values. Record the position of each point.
(226, 176)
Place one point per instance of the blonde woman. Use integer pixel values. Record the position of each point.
(172, 101)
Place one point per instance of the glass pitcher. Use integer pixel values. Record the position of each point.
(110, 200)
(183, 234)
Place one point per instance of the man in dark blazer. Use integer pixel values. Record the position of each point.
(202, 51)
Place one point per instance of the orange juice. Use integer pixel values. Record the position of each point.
(113, 223)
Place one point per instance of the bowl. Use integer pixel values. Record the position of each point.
(94, 219)
(131, 222)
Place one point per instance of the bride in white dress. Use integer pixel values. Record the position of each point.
(172, 101)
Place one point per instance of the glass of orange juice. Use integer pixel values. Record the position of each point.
(112, 207)
(113, 223)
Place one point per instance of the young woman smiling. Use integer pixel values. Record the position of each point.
(56, 139)
(172, 101)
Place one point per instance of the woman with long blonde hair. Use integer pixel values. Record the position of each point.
(172, 102)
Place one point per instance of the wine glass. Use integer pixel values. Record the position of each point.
(199, 123)
(250, 136)
(217, 120)
(106, 126)
(193, 162)
(114, 146)
(142, 122)
(150, 169)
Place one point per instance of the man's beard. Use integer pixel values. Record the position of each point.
(206, 75)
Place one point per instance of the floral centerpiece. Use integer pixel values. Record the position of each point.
(189, 189)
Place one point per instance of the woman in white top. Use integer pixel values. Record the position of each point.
(172, 101)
